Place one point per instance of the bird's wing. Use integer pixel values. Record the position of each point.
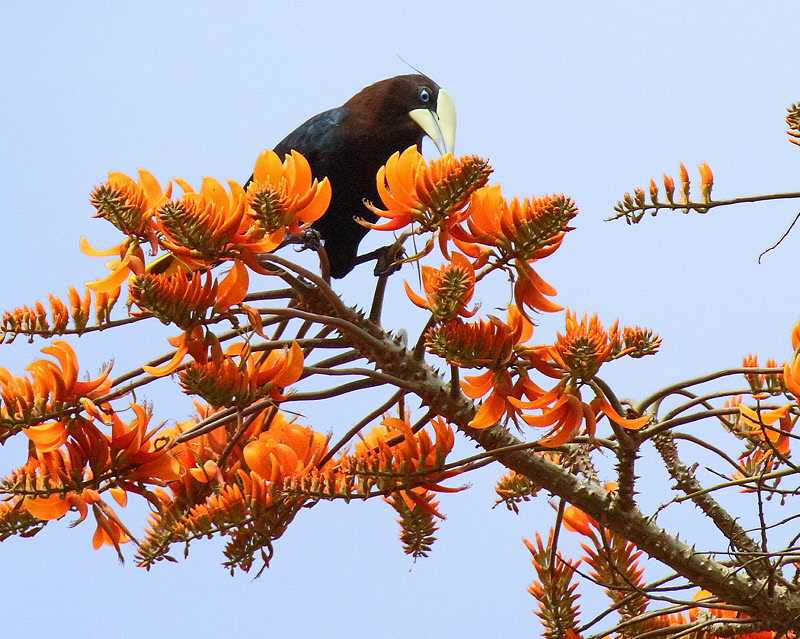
(314, 135)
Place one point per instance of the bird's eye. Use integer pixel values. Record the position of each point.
(424, 95)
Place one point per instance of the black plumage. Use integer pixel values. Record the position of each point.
(350, 143)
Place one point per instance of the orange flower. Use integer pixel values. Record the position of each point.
(653, 191)
(129, 205)
(418, 453)
(684, 174)
(51, 385)
(499, 347)
(285, 449)
(47, 437)
(191, 342)
(585, 346)
(173, 298)
(211, 225)
(518, 233)
(417, 450)
(669, 186)
(131, 446)
(432, 195)
(108, 533)
(103, 303)
(79, 308)
(527, 230)
(601, 405)
(554, 589)
(706, 182)
(760, 424)
(488, 343)
(448, 289)
(130, 261)
(576, 520)
(503, 389)
(238, 378)
(564, 412)
(796, 335)
(282, 196)
(530, 290)
(791, 371)
(564, 417)
(46, 508)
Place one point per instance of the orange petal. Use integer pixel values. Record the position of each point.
(170, 366)
(490, 412)
(114, 279)
(87, 249)
(475, 386)
(46, 508)
(614, 416)
(293, 368)
(47, 437)
(233, 287)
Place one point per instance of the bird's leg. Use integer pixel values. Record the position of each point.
(377, 299)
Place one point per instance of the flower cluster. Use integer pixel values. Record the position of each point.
(614, 564)
(576, 357)
(633, 207)
(239, 378)
(283, 198)
(51, 387)
(431, 194)
(35, 321)
(208, 226)
(448, 289)
(554, 589)
(72, 460)
(277, 466)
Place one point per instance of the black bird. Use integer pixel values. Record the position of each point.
(350, 143)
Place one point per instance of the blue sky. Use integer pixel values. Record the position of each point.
(588, 99)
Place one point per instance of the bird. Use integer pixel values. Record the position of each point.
(350, 143)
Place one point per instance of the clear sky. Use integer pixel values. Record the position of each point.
(585, 98)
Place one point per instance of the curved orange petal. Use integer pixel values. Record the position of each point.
(792, 383)
(567, 426)
(171, 366)
(575, 520)
(301, 169)
(46, 508)
(614, 416)
(47, 437)
(415, 299)
(550, 416)
(318, 205)
(233, 287)
(164, 467)
(65, 355)
(114, 280)
(490, 412)
(293, 368)
(88, 249)
(475, 386)
(268, 168)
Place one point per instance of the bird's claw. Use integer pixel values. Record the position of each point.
(388, 260)
(305, 240)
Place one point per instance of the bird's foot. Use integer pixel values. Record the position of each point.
(388, 259)
(305, 240)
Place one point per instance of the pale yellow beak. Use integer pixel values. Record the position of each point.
(439, 126)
